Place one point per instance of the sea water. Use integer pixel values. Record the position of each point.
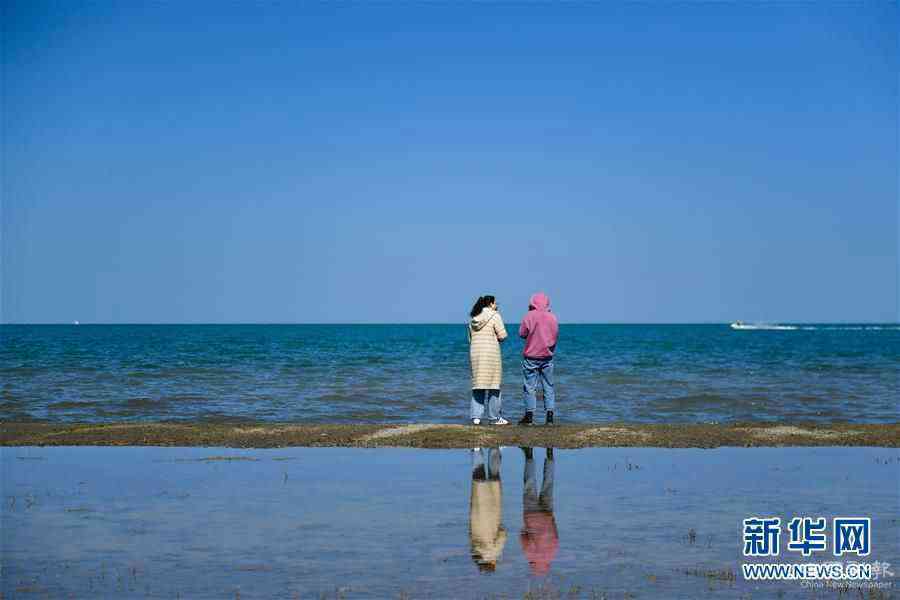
(420, 373)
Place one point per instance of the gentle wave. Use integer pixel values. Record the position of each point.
(766, 327)
(860, 328)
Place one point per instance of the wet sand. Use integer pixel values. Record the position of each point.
(598, 435)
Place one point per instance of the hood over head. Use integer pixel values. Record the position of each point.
(482, 318)
(539, 301)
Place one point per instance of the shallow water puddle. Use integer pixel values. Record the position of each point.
(388, 523)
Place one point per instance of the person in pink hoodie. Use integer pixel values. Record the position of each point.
(540, 329)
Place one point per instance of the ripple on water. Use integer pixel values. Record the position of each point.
(145, 403)
(75, 405)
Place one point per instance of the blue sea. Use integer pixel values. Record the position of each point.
(420, 373)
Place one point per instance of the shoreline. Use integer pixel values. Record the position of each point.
(425, 435)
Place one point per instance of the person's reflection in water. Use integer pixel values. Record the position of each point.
(486, 531)
(540, 539)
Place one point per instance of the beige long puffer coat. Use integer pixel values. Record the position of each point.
(486, 331)
(486, 532)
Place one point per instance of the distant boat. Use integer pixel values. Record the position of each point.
(76, 323)
(741, 325)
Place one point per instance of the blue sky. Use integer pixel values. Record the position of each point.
(247, 162)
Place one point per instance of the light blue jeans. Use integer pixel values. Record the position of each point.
(486, 464)
(536, 369)
(531, 502)
(492, 399)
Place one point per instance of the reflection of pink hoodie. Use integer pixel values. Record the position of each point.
(540, 541)
(539, 328)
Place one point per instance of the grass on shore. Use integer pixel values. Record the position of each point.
(274, 435)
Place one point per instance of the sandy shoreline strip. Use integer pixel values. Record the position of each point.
(425, 435)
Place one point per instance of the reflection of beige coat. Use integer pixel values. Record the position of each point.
(485, 513)
(486, 331)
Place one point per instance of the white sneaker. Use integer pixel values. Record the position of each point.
(476, 421)
(501, 421)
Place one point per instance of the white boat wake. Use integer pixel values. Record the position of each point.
(776, 327)
(761, 326)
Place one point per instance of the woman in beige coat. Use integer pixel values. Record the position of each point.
(486, 331)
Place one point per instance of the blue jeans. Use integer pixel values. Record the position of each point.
(486, 464)
(531, 502)
(491, 398)
(538, 369)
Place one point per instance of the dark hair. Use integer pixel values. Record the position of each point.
(480, 304)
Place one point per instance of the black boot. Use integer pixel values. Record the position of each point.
(549, 420)
(528, 419)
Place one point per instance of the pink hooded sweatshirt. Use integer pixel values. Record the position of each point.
(539, 328)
